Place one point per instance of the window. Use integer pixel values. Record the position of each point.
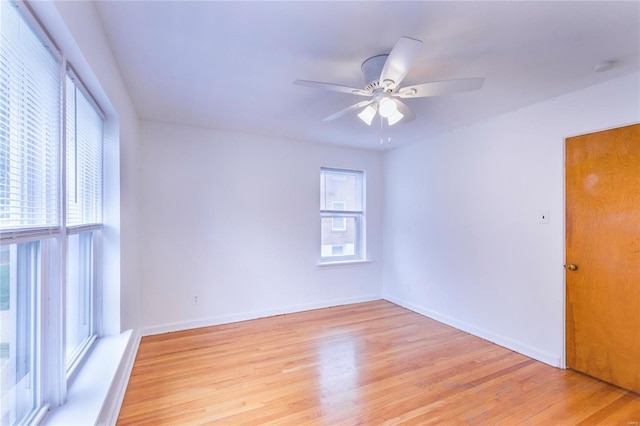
(50, 231)
(341, 215)
(338, 223)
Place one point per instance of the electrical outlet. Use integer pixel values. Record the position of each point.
(543, 217)
(195, 300)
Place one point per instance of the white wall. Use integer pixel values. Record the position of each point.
(462, 238)
(234, 219)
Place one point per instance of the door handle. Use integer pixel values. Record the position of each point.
(571, 267)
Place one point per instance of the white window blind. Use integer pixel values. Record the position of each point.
(29, 127)
(84, 129)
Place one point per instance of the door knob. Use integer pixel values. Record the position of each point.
(571, 267)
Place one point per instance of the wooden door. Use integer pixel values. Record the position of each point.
(603, 242)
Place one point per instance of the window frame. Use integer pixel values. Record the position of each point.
(358, 217)
(53, 372)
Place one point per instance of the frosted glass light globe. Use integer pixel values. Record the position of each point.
(387, 107)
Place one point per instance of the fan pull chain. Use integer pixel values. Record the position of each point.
(383, 132)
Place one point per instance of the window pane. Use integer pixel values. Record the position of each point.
(79, 324)
(341, 190)
(338, 243)
(338, 224)
(19, 277)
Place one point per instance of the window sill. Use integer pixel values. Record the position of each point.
(345, 263)
(92, 384)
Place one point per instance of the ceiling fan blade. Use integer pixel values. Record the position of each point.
(440, 88)
(399, 61)
(347, 110)
(405, 111)
(332, 87)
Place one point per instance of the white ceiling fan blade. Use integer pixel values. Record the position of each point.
(440, 88)
(332, 87)
(347, 110)
(406, 111)
(399, 61)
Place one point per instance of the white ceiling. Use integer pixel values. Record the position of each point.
(230, 65)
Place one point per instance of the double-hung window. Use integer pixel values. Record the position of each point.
(50, 218)
(341, 215)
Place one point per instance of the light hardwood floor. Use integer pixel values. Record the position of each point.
(369, 363)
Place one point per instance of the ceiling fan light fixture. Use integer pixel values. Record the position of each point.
(367, 114)
(387, 107)
(395, 117)
(383, 89)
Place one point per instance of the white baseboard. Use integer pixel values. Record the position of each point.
(244, 316)
(542, 356)
(112, 404)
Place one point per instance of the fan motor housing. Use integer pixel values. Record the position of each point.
(371, 69)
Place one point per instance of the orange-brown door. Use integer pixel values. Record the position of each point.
(603, 255)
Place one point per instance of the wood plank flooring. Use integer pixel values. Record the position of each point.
(371, 363)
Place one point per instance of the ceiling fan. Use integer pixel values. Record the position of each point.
(383, 75)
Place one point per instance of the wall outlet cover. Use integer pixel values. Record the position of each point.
(543, 217)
